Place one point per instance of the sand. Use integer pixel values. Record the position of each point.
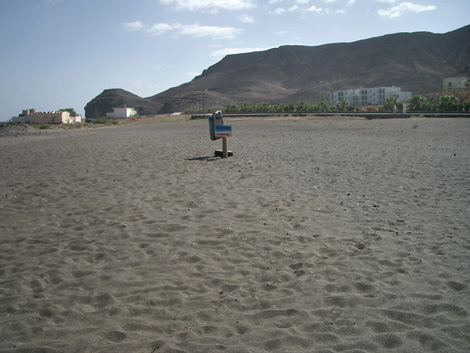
(318, 235)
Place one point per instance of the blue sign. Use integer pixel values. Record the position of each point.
(223, 130)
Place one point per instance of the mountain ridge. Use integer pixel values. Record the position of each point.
(416, 62)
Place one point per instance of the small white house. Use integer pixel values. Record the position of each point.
(122, 113)
(454, 82)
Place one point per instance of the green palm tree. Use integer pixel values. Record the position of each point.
(448, 103)
(324, 106)
(417, 103)
(342, 105)
(391, 103)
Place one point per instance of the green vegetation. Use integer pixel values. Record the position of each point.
(266, 108)
(342, 105)
(73, 126)
(445, 103)
(43, 126)
(417, 103)
(105, 121)
(70, 110)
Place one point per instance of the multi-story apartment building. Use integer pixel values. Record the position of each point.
(369, 96)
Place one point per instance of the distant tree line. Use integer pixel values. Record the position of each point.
(302, 107)
(417, 103)
(446, 103)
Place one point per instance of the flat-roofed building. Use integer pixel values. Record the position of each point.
(123, 112)
(34, 117)
(457, 86)
(369, 96)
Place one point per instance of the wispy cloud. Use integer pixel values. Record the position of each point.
(403, 8)
(331, 7)
(246, 19)
(278, 11)
(194, 30)
(133, 26)
(51, 2)
(197, 31)
(161, 28)
(210, 4)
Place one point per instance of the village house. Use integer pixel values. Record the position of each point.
(123, 112)
(457, 86)
(32, 116)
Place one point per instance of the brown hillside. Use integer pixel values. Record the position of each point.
(416, 62)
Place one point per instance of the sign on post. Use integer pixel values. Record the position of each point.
(223, 130)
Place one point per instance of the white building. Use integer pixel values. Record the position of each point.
(454, 82)
(369, 96)
(122, 113)
(34, 117)
(457, 86)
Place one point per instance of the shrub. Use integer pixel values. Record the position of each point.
(105, 121)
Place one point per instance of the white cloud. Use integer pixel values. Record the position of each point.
(302, 1)
(329, 1)
(210, 4)
(351, 2)
(198, 31)
(274, 1)
(133, 26)
(278, 11)
(403, 8)
(315, 9)
(246, 19)
(194, 30)
(293, 8)
(228, 51)
(161, 28)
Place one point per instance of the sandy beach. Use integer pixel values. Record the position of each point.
(318, 235)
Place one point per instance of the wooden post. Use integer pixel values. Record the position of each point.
(225, 147)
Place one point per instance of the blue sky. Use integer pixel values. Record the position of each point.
(62, 53)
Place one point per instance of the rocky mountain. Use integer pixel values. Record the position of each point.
(416, 62)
